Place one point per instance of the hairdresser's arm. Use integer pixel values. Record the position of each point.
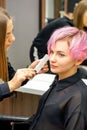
(20, 76)
(7, 87)
(23, 74)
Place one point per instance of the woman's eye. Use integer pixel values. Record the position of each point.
(51, 52)
(61, 55)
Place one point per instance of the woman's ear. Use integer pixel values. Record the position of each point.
(78, 61)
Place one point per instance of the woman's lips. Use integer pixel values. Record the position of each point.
(52, 66)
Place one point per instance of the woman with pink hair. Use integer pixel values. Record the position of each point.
(65, 108)
(64, 105)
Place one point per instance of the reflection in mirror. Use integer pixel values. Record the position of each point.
(52, 9)
(49, 14)
(49, 9)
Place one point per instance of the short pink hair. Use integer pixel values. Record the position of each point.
(77, 44)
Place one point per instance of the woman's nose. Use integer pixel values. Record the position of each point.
(12, 38)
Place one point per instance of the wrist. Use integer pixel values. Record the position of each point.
(12, 86)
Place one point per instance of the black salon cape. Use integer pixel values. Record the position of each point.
(63, 106)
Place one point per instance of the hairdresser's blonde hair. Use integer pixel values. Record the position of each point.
(4, 16)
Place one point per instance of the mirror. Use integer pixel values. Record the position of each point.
(51, 9)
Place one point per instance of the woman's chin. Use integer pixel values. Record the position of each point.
(53, 71)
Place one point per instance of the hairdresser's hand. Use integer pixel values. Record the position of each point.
(43, 70)
(19, 77)
(33, 64)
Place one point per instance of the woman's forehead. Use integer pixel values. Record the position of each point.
(60, 45)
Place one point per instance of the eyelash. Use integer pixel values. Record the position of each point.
(60, 54)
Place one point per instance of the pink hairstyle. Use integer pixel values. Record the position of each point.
(78, 41)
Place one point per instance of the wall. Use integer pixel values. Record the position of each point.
(26, 26)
